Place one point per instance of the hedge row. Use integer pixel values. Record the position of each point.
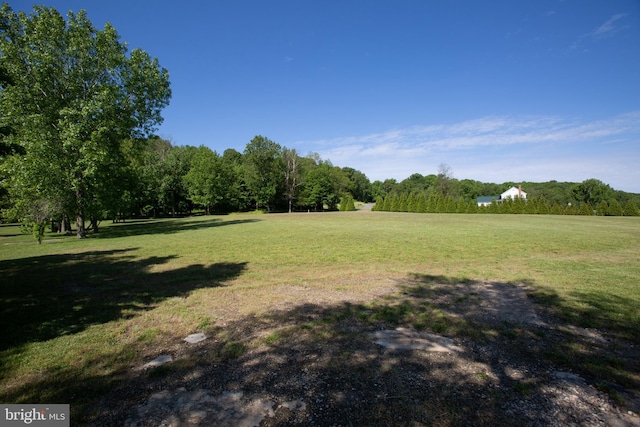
(420, 202)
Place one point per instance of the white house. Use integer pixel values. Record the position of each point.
(513, 193)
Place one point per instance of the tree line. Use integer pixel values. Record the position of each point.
(442, 193)
(78, 116)
(436, 203)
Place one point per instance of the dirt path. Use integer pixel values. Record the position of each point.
(333, 359)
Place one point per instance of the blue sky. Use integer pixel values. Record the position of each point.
(527, 90)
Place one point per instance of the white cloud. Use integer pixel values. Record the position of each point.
(498, 149)
(609, 27)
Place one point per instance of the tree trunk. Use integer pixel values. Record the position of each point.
(81, 232)
(65, 225)
(94, 224)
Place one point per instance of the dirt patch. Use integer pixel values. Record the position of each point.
(480, 301)
(320, 361)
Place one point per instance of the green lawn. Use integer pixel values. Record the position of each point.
(73, 310)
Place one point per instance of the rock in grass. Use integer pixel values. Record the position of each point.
(409, 339)
(158, 361)
(195, 338)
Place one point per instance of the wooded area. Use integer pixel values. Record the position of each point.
(77, 144)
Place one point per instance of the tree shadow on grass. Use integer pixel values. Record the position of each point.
(322, 357)
(48, 296)
(597, 335)
(618, 315)
(164, 226)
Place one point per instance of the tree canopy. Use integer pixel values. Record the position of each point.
(71, 95)
(77, 117)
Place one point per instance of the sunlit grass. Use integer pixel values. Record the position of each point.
(100, 306)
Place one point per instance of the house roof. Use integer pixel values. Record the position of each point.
(487, 199)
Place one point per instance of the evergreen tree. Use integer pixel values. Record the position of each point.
(351, 206)
(394, 204)
(403, 203)
(602, 207)
(432, 202)
(412, 204)
(585, 209)
(388, 199)
(630, 209)
(615, 208)
(379, 204)
(422, 202)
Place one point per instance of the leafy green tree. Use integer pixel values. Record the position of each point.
(389, 186)
(592, 191)
(470, 189)
(414, 183)
(74, 96)
(237, 194)
(150, 171)
(324, 184)
(171, 192)
(359, 185)
(161, 174)
(205, 181)
(446, 185)
(264, 171)
(377, 190)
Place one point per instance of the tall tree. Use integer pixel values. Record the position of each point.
(359, 184)
(209, 179)
(237, 195)
(74, 95)
(292, 176)
(324, 185)
(264, 172)
(446, 184)
(172, 192)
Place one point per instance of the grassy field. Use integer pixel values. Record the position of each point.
(77, 312)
